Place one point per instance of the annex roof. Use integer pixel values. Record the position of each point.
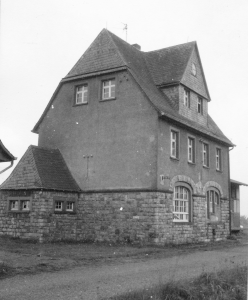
(5, 155)
(238, 182)
(41, 168)
(109, 53)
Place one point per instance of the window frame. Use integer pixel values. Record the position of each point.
(76, 103)
(109, 93)
(213, 208)
(186, 98)
(193, 147)
(218, 159)
(183, 185)
(19, 207)
(64, 202)
(205, 164)
(177, 144)
(193, 69)
(200, 105)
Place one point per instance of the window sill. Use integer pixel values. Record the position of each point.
(64, 212)
(214, 222)
(80, 104)
(219, 171)
(107, 99)
(206, 167)
(19, 211)
(174, 158)
(191, 163)
(182, 223)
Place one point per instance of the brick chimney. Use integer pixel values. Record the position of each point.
(136, 46)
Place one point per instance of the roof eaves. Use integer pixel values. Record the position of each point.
(92, 74)
(204, 78)
(205, 132)
(238, 182)
(36, 127)
(12, 157)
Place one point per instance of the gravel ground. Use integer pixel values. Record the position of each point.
(99, 281)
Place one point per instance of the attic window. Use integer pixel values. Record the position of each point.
(81, 94)
(200, 106)
(108, 89)
(193, 69)
(186, 98)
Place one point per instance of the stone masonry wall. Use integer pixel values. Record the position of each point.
(136, 217)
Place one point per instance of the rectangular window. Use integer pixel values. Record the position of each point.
(25, 205)
(14, 205)
(205, 153)
(64, 205)
(19, 204)
(191, 150)
(186, 100)
(108, 89)
(218, 159)
(200, 105)
(174, 144)
(82, 94)
(69, 206)
(58, 205)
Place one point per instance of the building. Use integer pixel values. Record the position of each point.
(140, 158)
(235, 204)
(6, 156)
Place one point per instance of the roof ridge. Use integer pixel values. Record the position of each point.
(36, 168)
(170, 47)
(186, 65)
(116, 47)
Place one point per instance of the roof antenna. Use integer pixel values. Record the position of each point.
(125, 28)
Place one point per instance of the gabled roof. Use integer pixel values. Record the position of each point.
(41, 168)
(168, 65)
(109, 53)
(5, 155)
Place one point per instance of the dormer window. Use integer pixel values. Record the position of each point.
(193, 69)
(81, 94)
(186, 98)
(200, 106)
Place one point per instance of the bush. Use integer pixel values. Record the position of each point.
(225, 285)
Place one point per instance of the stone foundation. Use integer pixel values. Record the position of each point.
(135, 217)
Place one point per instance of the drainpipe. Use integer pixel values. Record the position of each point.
(11, 164)
(229, 189)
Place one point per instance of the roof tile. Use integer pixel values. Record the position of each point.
(41, 168)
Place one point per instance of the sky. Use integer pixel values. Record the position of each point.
(40, 41)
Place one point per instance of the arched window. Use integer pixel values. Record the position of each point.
(213, 205)
(181, 203)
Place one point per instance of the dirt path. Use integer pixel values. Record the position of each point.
(107, 280)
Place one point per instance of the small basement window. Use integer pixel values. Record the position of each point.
(58, 206)
(69, 206)
(19, 204)
(63, 205)
(14, 205)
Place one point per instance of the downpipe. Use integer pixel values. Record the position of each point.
(11, 164)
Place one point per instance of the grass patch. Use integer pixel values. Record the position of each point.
(5, 270)
(225, 285)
